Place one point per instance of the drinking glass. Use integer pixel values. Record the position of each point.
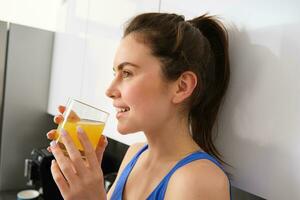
(91, 119)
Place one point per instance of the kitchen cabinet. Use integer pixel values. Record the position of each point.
(84, 52)
(68, 54)
(32, 13)
(25, 62)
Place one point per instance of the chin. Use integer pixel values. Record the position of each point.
(126, 130)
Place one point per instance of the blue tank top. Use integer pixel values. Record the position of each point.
(160, 190)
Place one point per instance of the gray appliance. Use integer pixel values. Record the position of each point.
(25, 61)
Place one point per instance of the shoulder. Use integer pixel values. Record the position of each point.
(131, 151)
(200, 179)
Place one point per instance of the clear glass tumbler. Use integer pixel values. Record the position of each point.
(92, 120)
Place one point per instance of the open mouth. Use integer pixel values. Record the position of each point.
(122, 110)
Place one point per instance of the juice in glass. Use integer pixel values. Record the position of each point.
(93, 129)
(90, 119)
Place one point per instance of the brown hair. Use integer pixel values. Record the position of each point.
(199, 45)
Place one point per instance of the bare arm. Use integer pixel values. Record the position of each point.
(198, 180)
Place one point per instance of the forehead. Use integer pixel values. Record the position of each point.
(134, 51)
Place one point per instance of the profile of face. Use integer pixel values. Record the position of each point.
(142, 97)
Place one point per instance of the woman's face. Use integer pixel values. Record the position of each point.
(140, 94)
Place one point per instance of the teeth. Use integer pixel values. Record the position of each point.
(122, 109)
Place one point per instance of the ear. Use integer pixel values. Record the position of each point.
(184, 86)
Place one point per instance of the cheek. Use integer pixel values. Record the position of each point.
(147, 98)
(131, 94)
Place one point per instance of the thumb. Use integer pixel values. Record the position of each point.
(102, 144)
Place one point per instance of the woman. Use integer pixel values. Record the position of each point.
(170, 78)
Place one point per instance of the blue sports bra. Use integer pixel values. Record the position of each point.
(159, 192)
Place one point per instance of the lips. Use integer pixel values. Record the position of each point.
(122, 110)
(125, 109)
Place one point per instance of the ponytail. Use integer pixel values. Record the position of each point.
(214, 79)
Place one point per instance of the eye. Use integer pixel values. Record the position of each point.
(126, 74)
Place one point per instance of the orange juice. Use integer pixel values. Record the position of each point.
(93, 130)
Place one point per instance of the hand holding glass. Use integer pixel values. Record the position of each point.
(92, 120)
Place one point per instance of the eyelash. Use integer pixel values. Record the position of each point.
(124, 74)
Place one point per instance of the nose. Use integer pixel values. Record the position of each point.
(112, 91)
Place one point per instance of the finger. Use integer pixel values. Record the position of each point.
(102, 144)
(61, 109)
(88, 148)
(58, 119)
(49, 149)
(73, 117)
(74, 154)
(59, 178)
(63, 162)
(52, 135)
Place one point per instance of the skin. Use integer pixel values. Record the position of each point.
(77, 178)
(156, 107)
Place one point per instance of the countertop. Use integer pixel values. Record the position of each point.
(8, 195)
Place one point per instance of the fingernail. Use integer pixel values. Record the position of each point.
(79, 130)
(63, 132)
(53, 143)
(53, 161)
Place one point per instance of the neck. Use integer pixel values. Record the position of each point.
(169, 142)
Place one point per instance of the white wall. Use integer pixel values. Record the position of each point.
(259, 122)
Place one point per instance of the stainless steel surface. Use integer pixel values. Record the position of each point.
(3, 44)
(24, 121)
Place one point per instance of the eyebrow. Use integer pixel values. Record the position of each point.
(120, 66)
